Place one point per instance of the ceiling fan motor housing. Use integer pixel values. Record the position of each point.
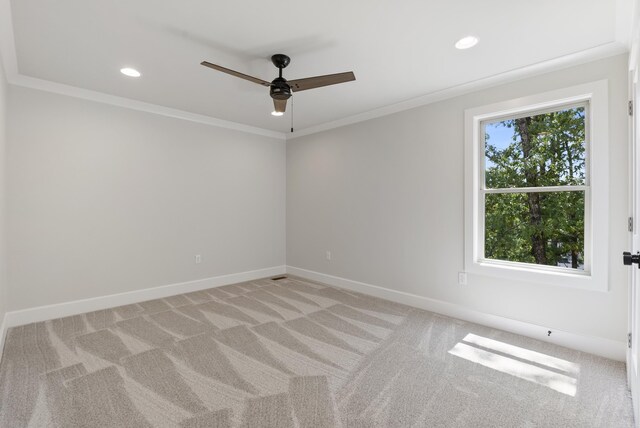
(280, 60)
(280, 89)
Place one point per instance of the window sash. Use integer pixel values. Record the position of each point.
(580, 188)
(587, 228)
(536, 112)
(586, 105)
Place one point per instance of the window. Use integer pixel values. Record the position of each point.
(536, 186)
(535, 182)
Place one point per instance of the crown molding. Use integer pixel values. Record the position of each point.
(10, 63)
(593, 54)
(9, 60)
(72, 91)
(635, 36)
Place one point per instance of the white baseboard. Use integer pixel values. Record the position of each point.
(43, 313)
(3, 333)
(594, 345)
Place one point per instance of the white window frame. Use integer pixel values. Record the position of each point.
(595, 275)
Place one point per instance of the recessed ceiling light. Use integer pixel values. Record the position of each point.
(277, 113)
(131, 72)
(467, 42)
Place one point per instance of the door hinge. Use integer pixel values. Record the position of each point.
(630, 224)
(630, 107)
(629, 340)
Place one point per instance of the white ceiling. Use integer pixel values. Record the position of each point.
(398, 49)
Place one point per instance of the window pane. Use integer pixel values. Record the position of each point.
(534, 151)
(540, 228)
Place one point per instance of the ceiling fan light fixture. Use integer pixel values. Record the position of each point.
(277, 113)
(131, 72)
(466, 42)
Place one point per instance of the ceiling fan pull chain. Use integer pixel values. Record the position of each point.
(291, 114)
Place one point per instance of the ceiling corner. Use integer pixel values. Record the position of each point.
(7, 41)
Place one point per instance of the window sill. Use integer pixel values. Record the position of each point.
(523, 272)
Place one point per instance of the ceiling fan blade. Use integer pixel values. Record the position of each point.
(236, 73)
(320, 81)
(280, 105)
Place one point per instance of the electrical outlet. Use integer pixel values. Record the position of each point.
(462, 278)
(198, 259)
(328, 255)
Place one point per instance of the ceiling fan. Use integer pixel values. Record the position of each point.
(280, 88)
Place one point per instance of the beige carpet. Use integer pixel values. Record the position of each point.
(294, 353)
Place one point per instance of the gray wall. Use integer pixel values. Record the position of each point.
(3, 241)
(386, 197)
(104, 200)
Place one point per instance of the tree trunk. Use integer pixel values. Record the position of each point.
(538, 241)
(574, 259)
(538, 247)
(572, 214)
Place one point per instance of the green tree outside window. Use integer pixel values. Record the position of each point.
(545, 228)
